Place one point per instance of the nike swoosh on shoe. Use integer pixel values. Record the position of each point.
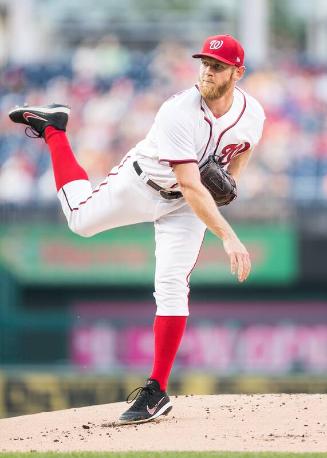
(27, 115)
(153, 409)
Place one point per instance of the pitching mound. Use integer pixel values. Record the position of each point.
(268, 422)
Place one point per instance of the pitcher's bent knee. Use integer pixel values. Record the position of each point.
(80, 228)
(172, 299)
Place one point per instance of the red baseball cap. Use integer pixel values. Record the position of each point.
(224, 48)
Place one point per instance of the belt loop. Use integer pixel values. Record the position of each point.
(144, 177)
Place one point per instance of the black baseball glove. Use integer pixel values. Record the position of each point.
(218, 181)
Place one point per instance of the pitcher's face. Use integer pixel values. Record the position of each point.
(215, 78)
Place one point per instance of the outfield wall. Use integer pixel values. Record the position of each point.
(27, 392)
(76, 317)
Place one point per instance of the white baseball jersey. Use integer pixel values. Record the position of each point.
(184, 130)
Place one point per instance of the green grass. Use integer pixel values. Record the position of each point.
(164, 455)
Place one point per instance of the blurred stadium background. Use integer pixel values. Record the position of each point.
(75, 314)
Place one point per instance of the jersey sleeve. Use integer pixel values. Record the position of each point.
(175, 135)
(261, 129)
(260, 120)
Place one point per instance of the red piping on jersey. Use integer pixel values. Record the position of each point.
(174, 161)
(232, 125)
(227, 128)
(210, 125)
(189, 274)
(185, 161)
(96, 190)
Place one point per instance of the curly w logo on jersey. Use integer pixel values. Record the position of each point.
(231, 151)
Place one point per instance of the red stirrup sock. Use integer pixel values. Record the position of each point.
(65, 166)
(168, 333)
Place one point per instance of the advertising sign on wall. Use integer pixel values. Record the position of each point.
(226, 338)
(45, 254)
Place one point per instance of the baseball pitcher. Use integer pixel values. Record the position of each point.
(176, 177)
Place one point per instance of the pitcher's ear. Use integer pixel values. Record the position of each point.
(239, 72)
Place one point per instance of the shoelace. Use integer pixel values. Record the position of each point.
(35, 134)
(139, 390)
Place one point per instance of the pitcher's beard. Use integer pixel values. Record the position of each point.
(212, 92)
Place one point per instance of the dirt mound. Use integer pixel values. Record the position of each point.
(267, 422)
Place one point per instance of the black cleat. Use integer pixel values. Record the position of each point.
(38, 118)
(150, 403)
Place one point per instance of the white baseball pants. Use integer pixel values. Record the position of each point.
(124, 199)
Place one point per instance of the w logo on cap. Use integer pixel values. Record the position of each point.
(216, 44)
(222, 47)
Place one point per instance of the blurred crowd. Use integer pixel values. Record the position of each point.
(115, 92)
